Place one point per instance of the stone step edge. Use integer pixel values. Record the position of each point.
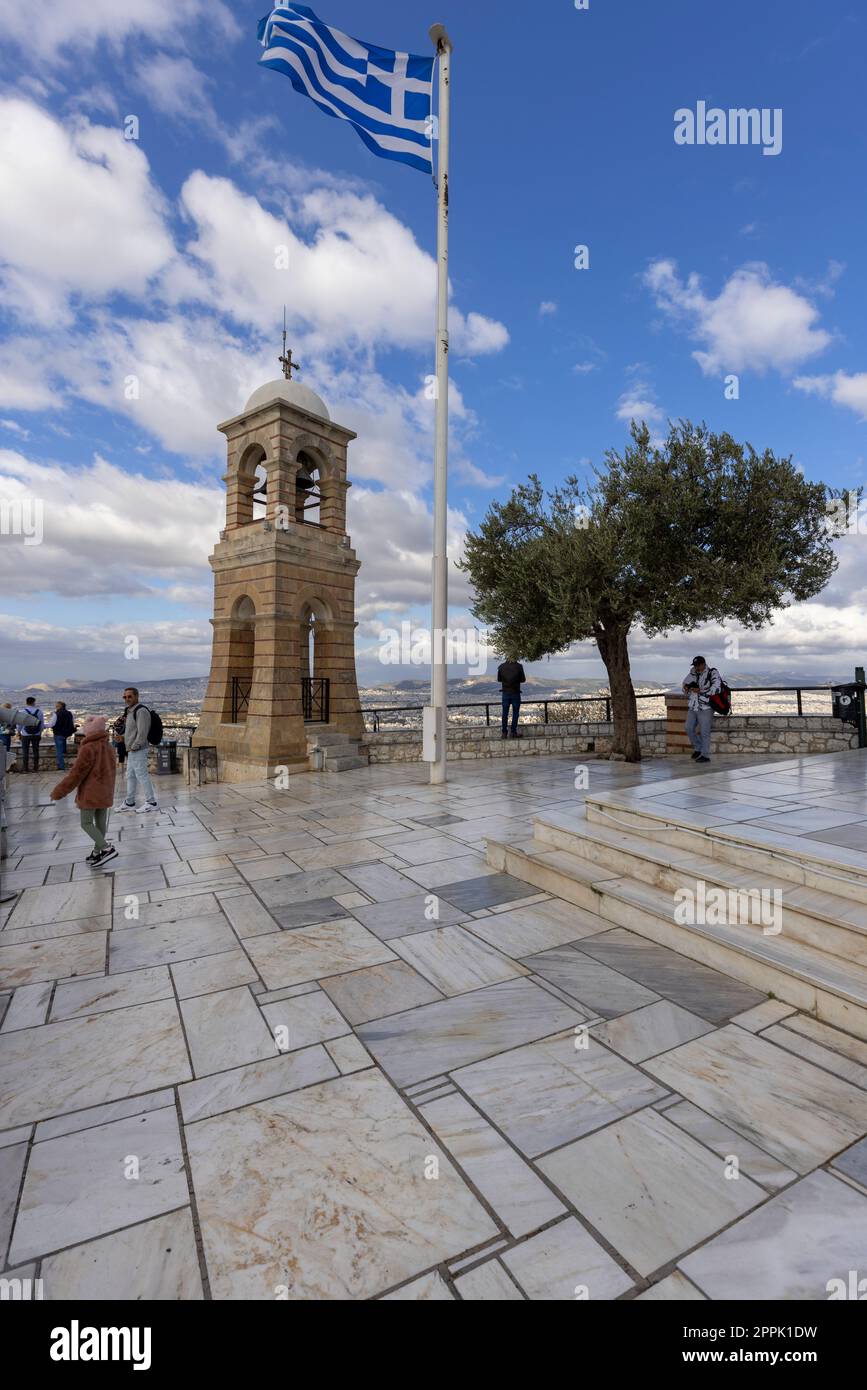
(717, 879)
(706, 933)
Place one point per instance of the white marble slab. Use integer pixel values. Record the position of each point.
(77, 1186)
(525, 931)
(763, 1015)
(55, 959)
(454, 961)
(651, 1030)
(550, 1092)
(28, 1008)
(378, 991)
(430, 1288)
(814, 1232)
(154, 1261)
(103, 1114)
(80, 997)
(62, 902)
(229, 1090)
(205, 974)
(167, 942)
(306, 1019)
(226, 1029)
(348, 1055)
(488, 1283)
(650, 1189)
(812, 1051)
(565, 1262)
(510, 1187)
(313, 953)
(674, 1288)
(325, 1193)
(754, 1162)
(248, 916)
(792, 1109)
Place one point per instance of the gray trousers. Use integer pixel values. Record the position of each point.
(95, 824)
(699, 723)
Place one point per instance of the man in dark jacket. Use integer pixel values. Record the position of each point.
(62, 728)
(511, 677)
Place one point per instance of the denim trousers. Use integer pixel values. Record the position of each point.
(699, 723)
(512, 702)
(137, 772)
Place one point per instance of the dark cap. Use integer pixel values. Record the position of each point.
(697, 659)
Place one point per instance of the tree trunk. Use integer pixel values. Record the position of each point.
(613, 648)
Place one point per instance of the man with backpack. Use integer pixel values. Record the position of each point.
(137, 736)
(31, 736)
(708, 695)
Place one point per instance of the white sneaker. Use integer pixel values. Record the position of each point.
(149, 806)
(123, 807)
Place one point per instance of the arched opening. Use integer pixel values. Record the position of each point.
(308, 492)
(242, 655)
(252, 477)
(315, 685)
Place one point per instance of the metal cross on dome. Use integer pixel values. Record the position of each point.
(286, 360)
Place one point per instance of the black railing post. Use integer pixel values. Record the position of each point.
(545, 706)
(607, 710)
(487, 715)
(800, 707)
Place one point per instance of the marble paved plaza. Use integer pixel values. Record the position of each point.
(307, 1044)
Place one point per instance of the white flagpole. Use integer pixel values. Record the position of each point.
(440, 586)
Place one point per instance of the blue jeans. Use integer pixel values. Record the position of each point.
(512, 702)
(699, 723)
(60, 751)
(137, 772)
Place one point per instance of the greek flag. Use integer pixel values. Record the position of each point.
(385, 95)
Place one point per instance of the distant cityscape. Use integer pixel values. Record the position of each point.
(179, 702)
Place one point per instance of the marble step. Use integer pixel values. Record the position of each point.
(343, 760)
(833, 990)
(825, 920)
(831, 868)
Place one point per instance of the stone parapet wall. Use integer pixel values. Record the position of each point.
(744, 733)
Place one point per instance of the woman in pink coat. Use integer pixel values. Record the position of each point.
(93, 773)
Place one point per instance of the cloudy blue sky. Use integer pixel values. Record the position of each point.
(155, 258)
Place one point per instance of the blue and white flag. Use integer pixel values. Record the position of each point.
(385, 95)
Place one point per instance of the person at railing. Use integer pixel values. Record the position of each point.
(511, 677)
(699, 684)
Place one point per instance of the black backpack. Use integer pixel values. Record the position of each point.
(155, 732)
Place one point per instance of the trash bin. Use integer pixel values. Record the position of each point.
(846, 703)
(167, 757)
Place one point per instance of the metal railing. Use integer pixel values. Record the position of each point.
(601, 705)
(240, 696)
(315, 699)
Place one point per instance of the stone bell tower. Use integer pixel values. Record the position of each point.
(283, 662)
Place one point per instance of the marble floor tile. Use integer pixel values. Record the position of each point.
(430, 1288)
(454, 961)
(790, 1108)
(205, 974)
(80, 997)
(88, 1061)
(651, 1190)
(380, 883)
(427, 1041)
(170, 910)
(241, 1086)
(550, 1092)
(651, 1030)
(28, 1007)
(304, 1020)
(12, 1160)
(790, 1248)
(314, 953)
(488, 1283)
(674, 1288)
(526, 931)
(854, 1162)
(325, 1193)
(62, 902)
(338, 856)
(57, 959)
(168, 942)
(470, 894)
(833, 1038)
(452, 870)
(421, 851)
(248, 917)
(103, 1114)
(565, 1263)
(379, 990)
(510, 1187)
(695, 987)
(754, 1020)
(310, 913)
(77, 1186)
(272, 866)
(301, 887)
(224, 1030)
(154, 1261)
(348, 1055)
(404, 916)
(601, 990)
(754, 1162)
(832, 1061)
